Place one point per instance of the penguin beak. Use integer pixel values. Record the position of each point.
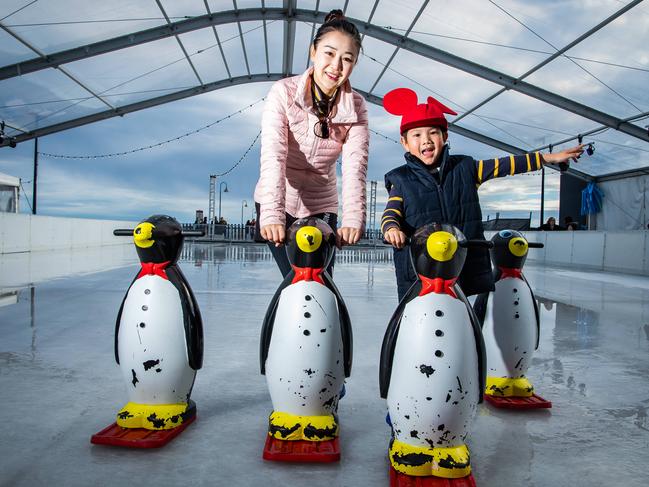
(518, 246)
(143, 235)
(309, 239)
(441, 246)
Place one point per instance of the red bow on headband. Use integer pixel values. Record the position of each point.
(403, 101)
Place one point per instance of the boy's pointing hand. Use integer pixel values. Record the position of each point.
(564, 156)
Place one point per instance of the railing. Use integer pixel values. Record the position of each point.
(254, 253)
(218, 231)
(246, 233)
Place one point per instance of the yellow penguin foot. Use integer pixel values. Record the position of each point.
(152, 416)
(418, 461)
(508, 387)
(286, 426)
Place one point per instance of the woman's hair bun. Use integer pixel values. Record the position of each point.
(334, 15)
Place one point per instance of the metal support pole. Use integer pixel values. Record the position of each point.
(35, 179)
(372, 222)
(542, 193)
(210, 207)
(244, 204)
(220, 191)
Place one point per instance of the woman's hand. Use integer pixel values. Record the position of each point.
(347, 236)
(274, 233)
(564, 156)
(395, 237)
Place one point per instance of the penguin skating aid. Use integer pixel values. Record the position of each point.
(511, 325)
(432, 366)
(158, 342)
(306, 351)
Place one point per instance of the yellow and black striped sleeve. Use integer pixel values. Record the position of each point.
(487, 169)
(393, 213)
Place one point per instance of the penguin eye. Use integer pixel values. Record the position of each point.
(505, 233)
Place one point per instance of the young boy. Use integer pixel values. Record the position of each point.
(434, 186)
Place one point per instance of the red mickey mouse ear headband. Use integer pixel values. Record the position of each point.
(399, 101)
(403, 101)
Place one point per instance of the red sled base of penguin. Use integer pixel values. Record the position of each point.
(532, 402)
(301, 451)
(115, 435)
(398, 479)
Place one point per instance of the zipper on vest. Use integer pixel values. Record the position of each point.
(441, 201)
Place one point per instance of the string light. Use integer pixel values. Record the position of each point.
(241, 158)
(384, 136)
(158, 144)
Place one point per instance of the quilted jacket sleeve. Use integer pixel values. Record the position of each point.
(354, 168)
(271, 187)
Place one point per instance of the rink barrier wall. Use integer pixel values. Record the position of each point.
(597, 250)
(626, 252)
(21, 232)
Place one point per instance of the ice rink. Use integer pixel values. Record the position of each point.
(60, 383)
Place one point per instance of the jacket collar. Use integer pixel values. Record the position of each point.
(422, 171)
(344, 111)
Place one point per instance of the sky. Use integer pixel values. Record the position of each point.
(173, 178)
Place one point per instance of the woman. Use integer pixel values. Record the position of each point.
(308, 121)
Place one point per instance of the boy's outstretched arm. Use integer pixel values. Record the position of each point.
(508, 166)
(392, 219)
(564, 156)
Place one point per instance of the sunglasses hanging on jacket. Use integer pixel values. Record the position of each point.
(323, 105)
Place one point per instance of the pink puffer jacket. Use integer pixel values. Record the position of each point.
(298, 169)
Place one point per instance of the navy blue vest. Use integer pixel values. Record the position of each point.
(453, 200)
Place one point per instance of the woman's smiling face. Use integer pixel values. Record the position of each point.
(333, 60)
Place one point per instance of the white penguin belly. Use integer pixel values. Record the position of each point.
(304, 367)
(510, 330)
(152, 346)
(434, 383)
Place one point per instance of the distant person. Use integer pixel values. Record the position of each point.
(308, 121)
(570, 224)
(435, 186)
(550, 225)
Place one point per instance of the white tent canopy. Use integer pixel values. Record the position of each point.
(522, 75)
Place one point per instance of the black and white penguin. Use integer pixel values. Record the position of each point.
(306, 340)
(510, 317)
(432, 361)
(159, 331)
